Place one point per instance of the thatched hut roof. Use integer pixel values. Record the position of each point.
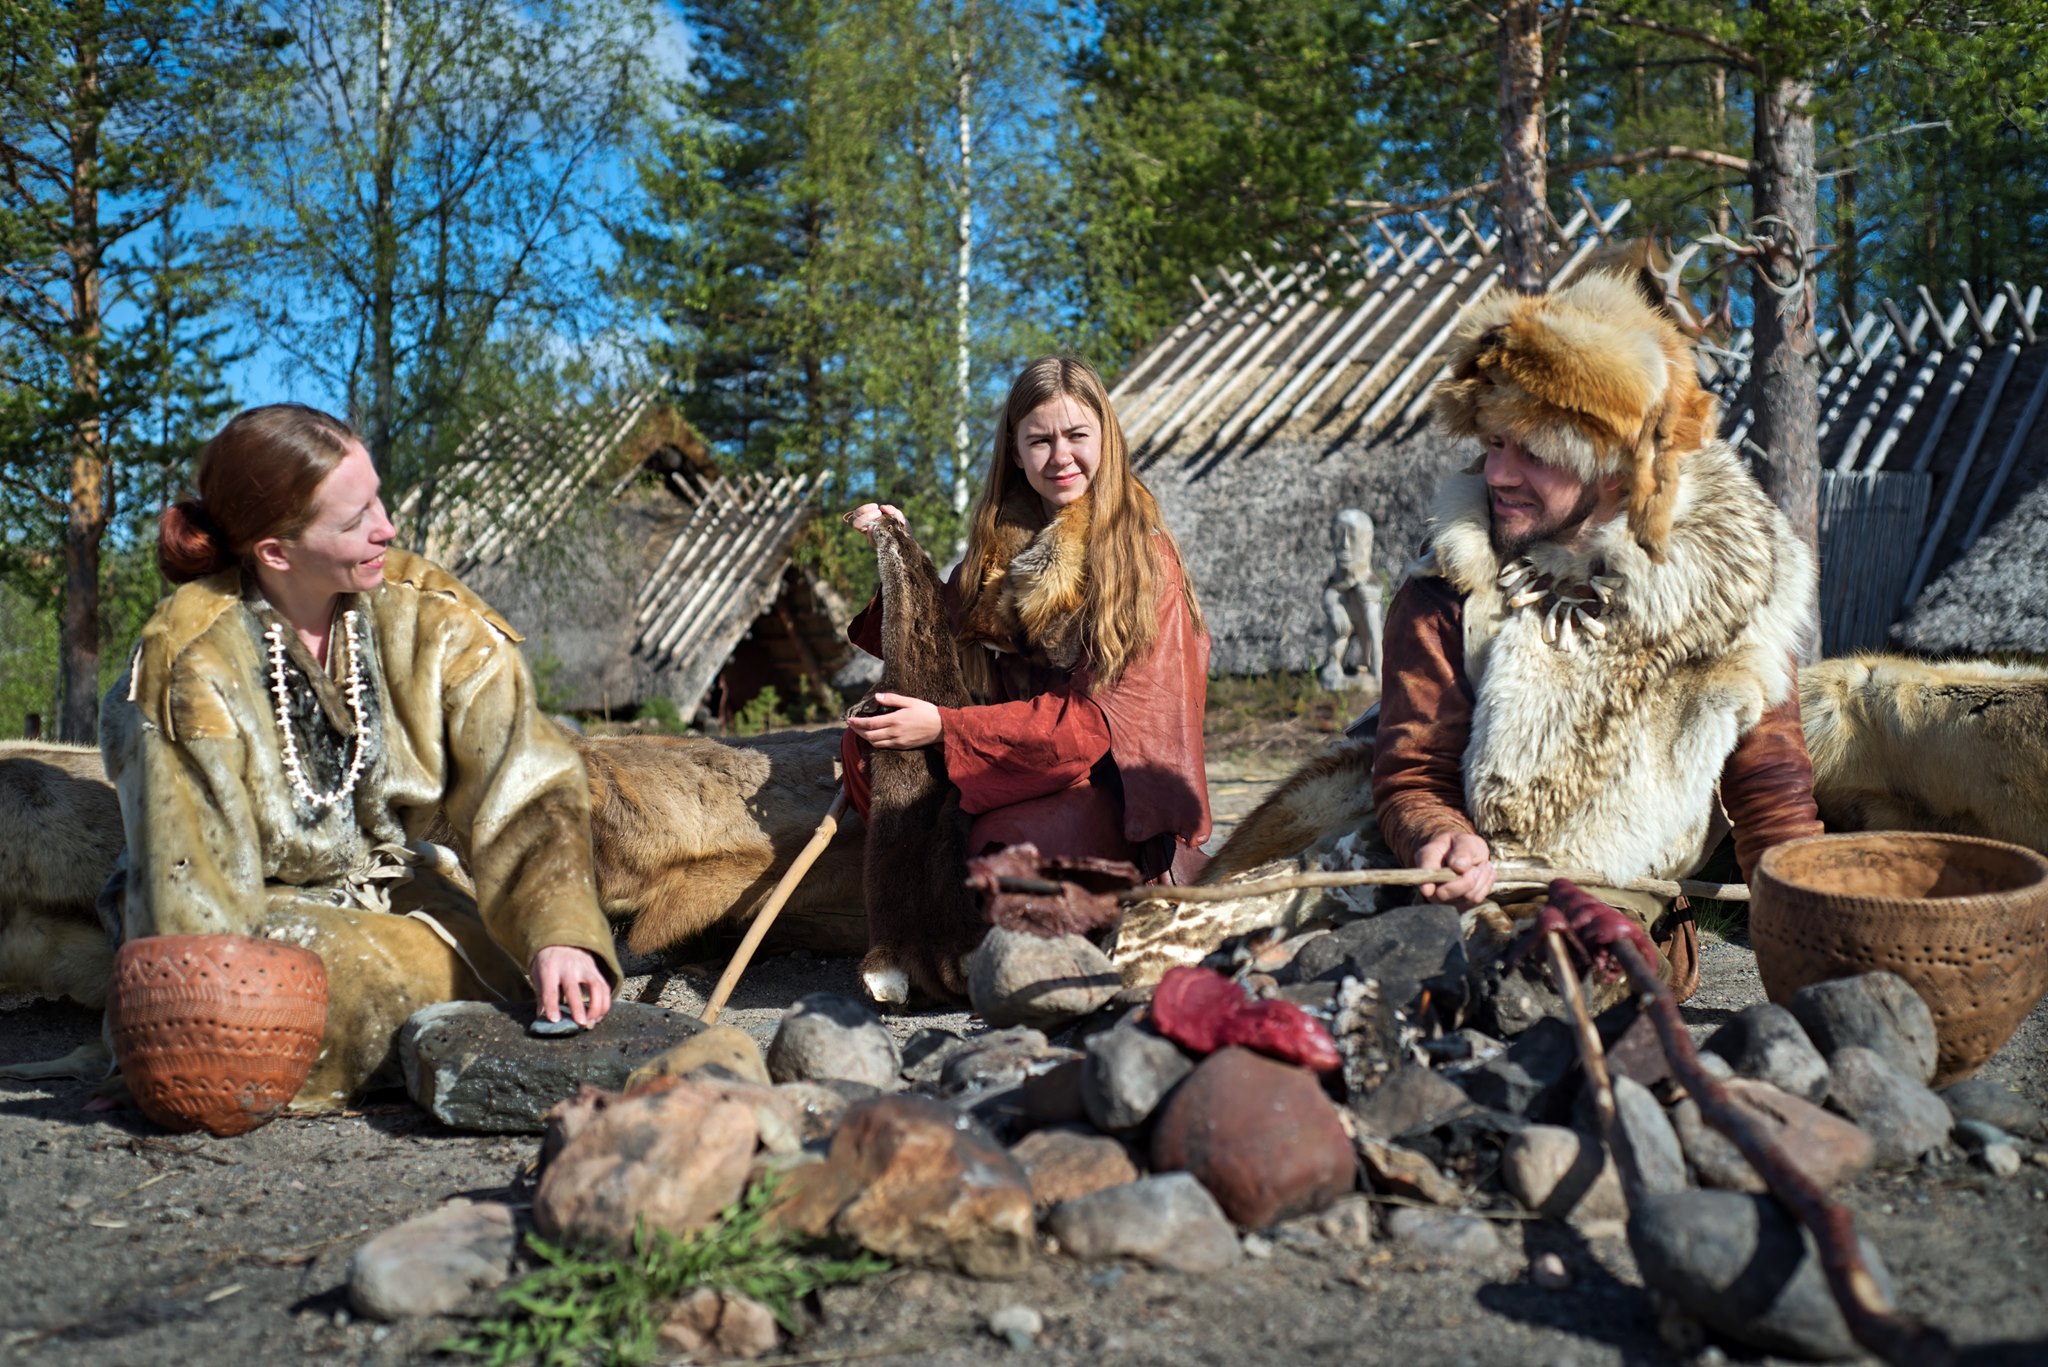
(634, 565)
(1933, 422)
(1289, 395)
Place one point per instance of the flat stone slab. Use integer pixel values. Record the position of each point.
(473, 1066)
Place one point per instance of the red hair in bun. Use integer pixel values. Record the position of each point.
(256, 479)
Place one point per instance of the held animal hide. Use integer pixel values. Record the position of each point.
(922, 920)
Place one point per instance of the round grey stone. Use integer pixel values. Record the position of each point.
(826, 1036)
(1900, 1115)
(1877, 1011)
(1016, 978)
(1765, 1041)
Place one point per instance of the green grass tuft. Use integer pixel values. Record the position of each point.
(600, 1305)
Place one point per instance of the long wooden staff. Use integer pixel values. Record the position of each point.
(772, 908)
(1510, 876)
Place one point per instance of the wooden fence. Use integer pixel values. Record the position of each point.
(1870, 527)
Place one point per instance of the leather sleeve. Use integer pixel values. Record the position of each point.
(1008, 752)
(1767, 785)
(513, 788)
(1418, 782)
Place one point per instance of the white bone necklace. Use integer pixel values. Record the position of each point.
(294, 770)
(1563, 607)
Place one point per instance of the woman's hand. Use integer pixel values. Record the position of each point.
(912, 724)
(1464, 854)
(562, 976)
(868, 517)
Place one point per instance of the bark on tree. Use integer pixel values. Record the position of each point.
(1782, 371)
(78, 668)
(384, 259)
(1524, 147)
(962, 54)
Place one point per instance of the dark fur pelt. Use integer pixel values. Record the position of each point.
(922, 920)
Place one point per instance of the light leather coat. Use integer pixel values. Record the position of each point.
(219, 841)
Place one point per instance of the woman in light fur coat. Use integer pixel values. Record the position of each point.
(300, 711)
(1081, 640)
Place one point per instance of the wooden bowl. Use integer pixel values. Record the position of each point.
(215, 1032)
(1963, 919)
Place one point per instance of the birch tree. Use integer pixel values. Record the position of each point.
(429, 196)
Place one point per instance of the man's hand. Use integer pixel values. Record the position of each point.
(868, 517)
(913, 723)
(563, 976)
(1466, 855)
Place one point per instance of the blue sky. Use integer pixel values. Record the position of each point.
(265, 373)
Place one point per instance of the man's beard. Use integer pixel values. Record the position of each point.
(1554, 529)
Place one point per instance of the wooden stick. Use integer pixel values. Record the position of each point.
(1511, 876)
(1871, 1318)
(1593, 1058)
(772, 908)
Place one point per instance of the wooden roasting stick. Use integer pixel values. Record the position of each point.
(772, 908)
(1593, 1058)
(1872, 1321)
(1510, 876)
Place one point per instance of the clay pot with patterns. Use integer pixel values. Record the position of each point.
(215, 1032)
(1961, 918)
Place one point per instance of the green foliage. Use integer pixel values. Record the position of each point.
(28, 654)
(1202, 130)
(663, 712)
(803, 244)
(762, 712)
(599, 1305)
(420, 216)
(115, 122)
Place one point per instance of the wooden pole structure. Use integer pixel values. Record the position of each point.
(772, 908)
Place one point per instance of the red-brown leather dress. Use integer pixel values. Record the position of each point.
(1074, 769)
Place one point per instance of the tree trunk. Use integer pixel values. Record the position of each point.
(1848, 262)
(1724, 217)
(384, 259)
(963, 266)
(1524, 147)
(85, 521)
(1787, 403)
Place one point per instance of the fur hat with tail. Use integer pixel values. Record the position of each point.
(1594, 378)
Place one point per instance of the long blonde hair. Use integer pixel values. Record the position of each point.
(1121, 624)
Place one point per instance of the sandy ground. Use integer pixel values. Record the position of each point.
(125, 1246)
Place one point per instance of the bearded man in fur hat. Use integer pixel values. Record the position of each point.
(1594, 663)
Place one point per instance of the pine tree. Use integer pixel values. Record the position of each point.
(850, 223)
(1203, 130)
(114, 114)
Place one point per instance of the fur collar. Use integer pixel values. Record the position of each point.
(1035, 583)
(1602, 747)
(192, 609)
(1725, 566)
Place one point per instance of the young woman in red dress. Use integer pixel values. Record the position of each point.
(1081, 639)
